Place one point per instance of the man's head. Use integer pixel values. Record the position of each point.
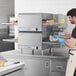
(72, 15)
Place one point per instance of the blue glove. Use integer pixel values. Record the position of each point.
(60, 40)
(56, 36)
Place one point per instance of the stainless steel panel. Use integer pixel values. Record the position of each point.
(4, 31)
(47, 16)
(62, 51)
(57, 74)
(58, 66)
(30, 40)
(30, 22)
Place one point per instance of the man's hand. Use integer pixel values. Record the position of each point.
(71, 43)
(66, 36)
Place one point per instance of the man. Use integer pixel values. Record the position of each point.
(71, 43)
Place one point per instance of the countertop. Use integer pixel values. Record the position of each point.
(10, 67)
(17, 54)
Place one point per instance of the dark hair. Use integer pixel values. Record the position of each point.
(72, 12)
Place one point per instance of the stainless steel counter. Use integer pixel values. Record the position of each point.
(10, 67)
(17, 54)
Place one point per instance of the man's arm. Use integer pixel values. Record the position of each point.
(71, 43)
(66, 36)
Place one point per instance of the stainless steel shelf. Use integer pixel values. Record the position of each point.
(7, 24)
(53, 44)
(51, 24)
(9, 40)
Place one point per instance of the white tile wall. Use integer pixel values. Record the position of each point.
(51, 6)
